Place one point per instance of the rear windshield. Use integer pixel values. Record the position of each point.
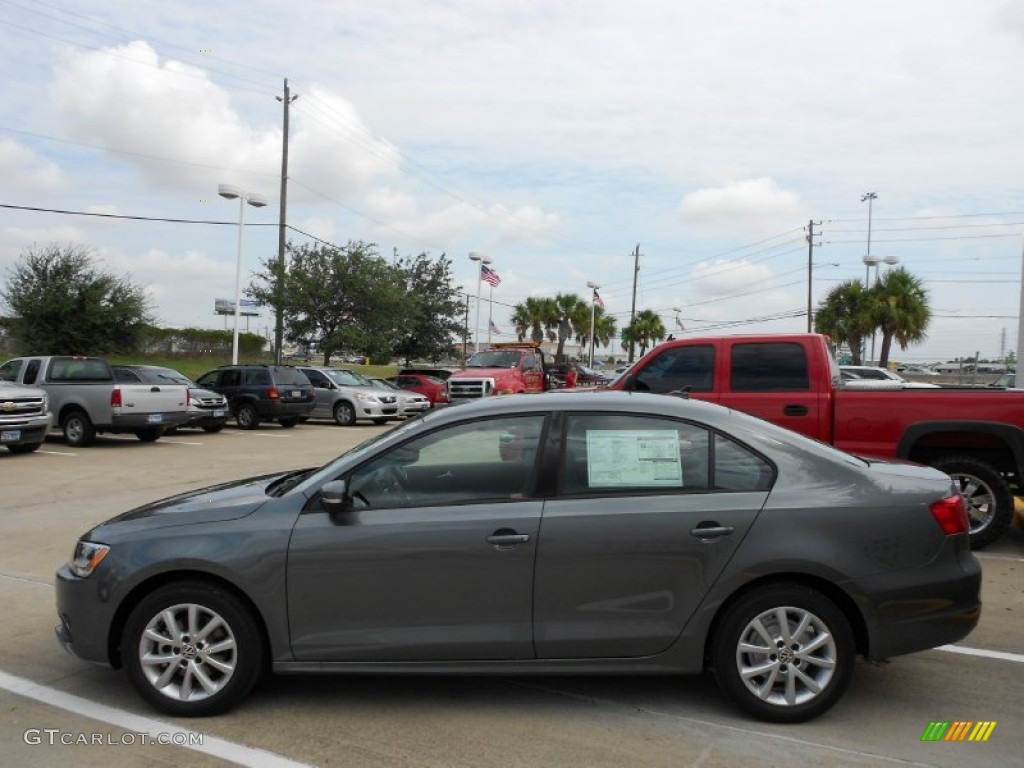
(290, 377)
(162, 376)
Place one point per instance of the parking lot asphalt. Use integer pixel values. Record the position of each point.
(60, 710)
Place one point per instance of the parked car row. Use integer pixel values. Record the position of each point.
(86, 396)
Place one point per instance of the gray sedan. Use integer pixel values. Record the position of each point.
(569, 533)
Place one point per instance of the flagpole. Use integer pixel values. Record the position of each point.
(593, 311)
(490, 312)
(473, 256)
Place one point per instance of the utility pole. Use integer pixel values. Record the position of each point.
(810, 269)
(632, 309)
(279, 281)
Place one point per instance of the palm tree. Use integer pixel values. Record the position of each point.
(645, 330)
(901, 311)
(604, 329)
(533, 318)
(846, 315)
(570, 314)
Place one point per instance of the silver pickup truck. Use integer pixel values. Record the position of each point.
(86, 400)
(24, 417)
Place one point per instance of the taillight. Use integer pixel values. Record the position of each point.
(951, 514)
(272, 393)
(115, 398)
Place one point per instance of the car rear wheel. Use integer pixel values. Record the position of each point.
(289, 422)
(78, 429)
(150, 435)
(247, 417)
(783, 653)
(989, 501)
(215, 428)
(344, 414)
(192, 649)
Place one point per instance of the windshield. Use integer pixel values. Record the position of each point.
(346, 378)
(164, 376)
(494, 359)
(385, 384)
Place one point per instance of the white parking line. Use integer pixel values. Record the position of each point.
(165, 441)
(211, 745)
(1001, 655)
(56, 453)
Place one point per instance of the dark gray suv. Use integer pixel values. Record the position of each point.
(258, 393)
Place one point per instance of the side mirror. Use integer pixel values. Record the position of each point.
(334, 498)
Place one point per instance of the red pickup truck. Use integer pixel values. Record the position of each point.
(505, 368)
(975, 435)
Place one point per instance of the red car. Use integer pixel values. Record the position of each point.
(435, 390)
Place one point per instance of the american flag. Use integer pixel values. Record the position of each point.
(489, 276)
(598, 300)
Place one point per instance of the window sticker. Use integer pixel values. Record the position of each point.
(633, 458)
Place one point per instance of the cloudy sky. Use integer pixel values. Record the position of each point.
(554, 137)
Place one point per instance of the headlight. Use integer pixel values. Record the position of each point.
(366, 398)
(88, 555)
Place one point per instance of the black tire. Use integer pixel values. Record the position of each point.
(247, 416)
(215, 428)
(24, 447)
(231, 670)
(822, 655)
(288, 423)
(380, 421)
(344, 414)
(150, 435)
(78, 429)
(989, 501)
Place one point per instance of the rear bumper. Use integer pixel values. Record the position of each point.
(924, 608)
(129, 422)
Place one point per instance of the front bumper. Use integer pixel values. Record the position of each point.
(85, 617)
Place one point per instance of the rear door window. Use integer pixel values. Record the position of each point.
(769, 367)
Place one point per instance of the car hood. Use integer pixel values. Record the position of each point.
(475, 372)
(226, 501)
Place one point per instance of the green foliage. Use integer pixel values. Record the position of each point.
(337, 299)
(845, 316)
(61, 303)
(533, 318)
(432, 312)
(646, 330)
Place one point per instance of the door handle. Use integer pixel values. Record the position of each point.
(711, 531)
(506, 538)
(154, 389)
(795, 410)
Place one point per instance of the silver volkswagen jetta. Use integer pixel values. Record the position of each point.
(559, 533)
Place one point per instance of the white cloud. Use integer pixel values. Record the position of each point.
(753, 207)
(26, 174)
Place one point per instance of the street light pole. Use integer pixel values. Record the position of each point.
(593, 312)
(868, 261)
(474, 256)
(230, 192)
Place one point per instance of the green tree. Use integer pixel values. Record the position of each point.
(430, 320)
(61, 303)
(338, 299)
(604, 330)
(534, 318)
(901, 311)
(570, 314)
(645, 330)
(847, 315)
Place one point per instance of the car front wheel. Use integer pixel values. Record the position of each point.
(783, 653)
(344, 414)
(191, 649)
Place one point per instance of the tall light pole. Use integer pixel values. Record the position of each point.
(474, 256)
(869, 260)
(593, 312)
(230, 192)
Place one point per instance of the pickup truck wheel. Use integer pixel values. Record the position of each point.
(150, 435)
(344, 414)
(247, 417)
(783, 653)
(24, 447)
(78, 430)
(192, 649)
(989, 501)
